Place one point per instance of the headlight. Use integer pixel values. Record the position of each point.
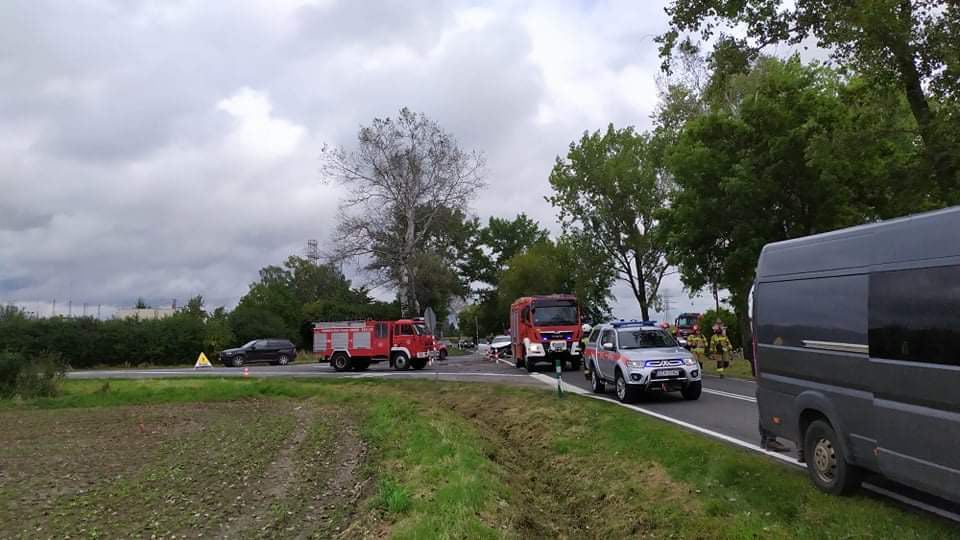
(689, 361)
(635, 363)
(536, 348)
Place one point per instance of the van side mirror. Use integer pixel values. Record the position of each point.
(608, 346)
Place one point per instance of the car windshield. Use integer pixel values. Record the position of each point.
(555, 315)
(645, 339)
(686, 321)
(249, 344)
(501, 339)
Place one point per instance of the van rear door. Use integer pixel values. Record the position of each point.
(914, 334)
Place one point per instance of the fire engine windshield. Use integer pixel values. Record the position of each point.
(645, 339)
(686, 321)
(561, 315)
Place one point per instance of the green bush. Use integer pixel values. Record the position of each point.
(29, 376)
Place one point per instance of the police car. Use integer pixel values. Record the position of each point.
(638, 357)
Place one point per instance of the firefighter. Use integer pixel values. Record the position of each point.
(720, 348)
(698, 345)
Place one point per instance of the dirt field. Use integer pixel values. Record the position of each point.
(375, 459)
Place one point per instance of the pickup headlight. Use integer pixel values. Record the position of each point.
(689, 362)
(635, 363)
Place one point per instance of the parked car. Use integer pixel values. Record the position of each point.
(466, 343)
(442, 350)
(501, 346)
(638, 357)
(275, 351)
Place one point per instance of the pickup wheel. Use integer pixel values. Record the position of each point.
(692, 391)
(596, 383)
(340, 361)
(401, 362)
(625, 393)
(826, 465)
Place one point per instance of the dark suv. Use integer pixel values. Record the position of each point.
(276, 351)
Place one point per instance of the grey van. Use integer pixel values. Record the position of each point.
(857, 336)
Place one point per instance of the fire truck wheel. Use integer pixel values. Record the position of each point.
(418, 363)
(529, 364)
(340, 361)
(575, 364)
(401, 362)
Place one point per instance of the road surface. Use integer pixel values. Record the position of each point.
(726, 410)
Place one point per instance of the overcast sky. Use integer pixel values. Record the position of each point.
(168, 149)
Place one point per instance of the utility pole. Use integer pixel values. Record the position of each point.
(70, 308)
(666, 305)
(53, 310)
(98, 312)
(84, 309)
(313, 252)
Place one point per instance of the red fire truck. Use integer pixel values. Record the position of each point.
(357, 344)
(685, 323)
(545, 328)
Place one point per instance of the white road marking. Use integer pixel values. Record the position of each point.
(438, 373)
(552, 381)
(730, 395)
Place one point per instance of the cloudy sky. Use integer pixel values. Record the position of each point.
(167, 149)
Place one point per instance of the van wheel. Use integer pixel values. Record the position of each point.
(692, 391)
(596, 383)
(340, 361)
(401, 362)
(826, 465)
(625, 393)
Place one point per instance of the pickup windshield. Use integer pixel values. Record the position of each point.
(555, 315)
(645, 339)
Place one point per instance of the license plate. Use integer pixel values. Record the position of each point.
(668, 373)
(558, 345)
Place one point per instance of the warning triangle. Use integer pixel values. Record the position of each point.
(202, 361)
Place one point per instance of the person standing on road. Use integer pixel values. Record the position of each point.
(698, 345)
(720, 348)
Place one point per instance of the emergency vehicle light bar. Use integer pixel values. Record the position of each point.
(621, 323)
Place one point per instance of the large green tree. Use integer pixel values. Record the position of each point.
(790, 150)
(908, 44)
(609, 191)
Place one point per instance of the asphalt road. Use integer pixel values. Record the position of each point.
(726, 410)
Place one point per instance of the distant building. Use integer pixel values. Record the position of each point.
(144, 313)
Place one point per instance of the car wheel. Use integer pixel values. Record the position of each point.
(340, 361)
(826, 465)
(596, 383)
(283, 360)
(401, 362)
(625, 394)
(692, 390)
(237, 361)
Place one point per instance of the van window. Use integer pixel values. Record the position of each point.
(822, 309)
(915, 315)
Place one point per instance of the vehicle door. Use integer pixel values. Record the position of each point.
(259, 351)
(590, 351)
(406, 338)
(381, 339)
(914, 332)
(607, 358)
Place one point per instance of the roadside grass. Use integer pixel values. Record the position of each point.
(739, 368)
(476, 461)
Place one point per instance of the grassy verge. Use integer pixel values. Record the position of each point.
(451, 460)
(739, 368)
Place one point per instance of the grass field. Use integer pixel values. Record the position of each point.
(407, 459)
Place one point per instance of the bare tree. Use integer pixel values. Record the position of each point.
(403, 174)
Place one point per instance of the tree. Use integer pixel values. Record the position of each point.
(608, 190)
(404, 173)
(910, 44)
(503, 239)
(788, 154)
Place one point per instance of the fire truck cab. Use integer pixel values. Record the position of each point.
(685, 323)
(354, 345)
(545, 329)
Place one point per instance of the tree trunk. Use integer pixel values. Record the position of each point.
(642, 292)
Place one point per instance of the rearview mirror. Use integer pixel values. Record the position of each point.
(608, 346)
